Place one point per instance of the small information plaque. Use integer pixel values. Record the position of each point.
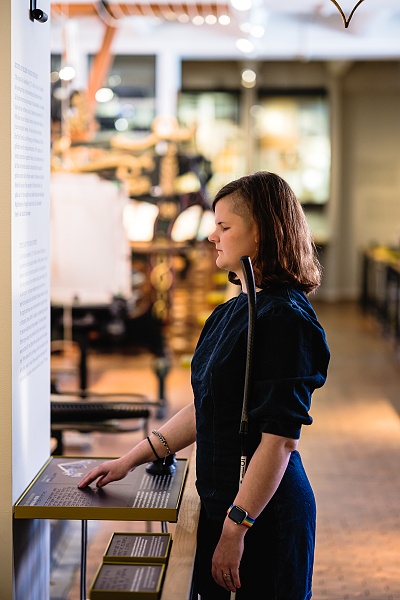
(54, 494)
(130, 582)
(138, 548)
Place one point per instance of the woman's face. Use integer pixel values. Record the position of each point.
(234, 236)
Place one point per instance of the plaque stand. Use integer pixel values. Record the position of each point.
(83, 559)
(84, 538)
(141, 496)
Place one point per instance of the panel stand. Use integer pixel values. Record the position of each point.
(164, 526)
(83, 559)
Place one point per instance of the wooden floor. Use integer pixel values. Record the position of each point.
(351, 453)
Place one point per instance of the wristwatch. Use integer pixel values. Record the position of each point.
(239, 516)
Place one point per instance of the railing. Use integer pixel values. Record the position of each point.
(380, 292)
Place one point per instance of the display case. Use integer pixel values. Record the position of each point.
(293, 139)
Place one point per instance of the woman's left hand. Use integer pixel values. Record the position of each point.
(227, 556)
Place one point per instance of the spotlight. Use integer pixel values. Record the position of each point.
(37, 14)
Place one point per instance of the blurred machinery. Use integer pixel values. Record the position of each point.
(120, 217)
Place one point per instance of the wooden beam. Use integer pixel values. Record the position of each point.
(121, 9)
(101, 65)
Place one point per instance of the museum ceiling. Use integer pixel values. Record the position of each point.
(271, 29)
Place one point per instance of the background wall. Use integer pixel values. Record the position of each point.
(370, 200)
(364, 207)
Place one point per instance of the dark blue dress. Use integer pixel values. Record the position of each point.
(291, 358)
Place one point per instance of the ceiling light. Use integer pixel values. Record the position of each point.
(249, 76)
(242, 4)
(211, 19)
(183, 18)
(248, 84)
(121, 124)
(114, 80)
(224, 20)
(104, 95)
(128, 111)
(244, 45)
(169, 15)
(245, 27)
(67, 73)
(257, 31)
(61, 93)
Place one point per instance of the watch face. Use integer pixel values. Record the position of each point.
(237, 514)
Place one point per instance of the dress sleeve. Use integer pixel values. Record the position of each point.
(290, 361)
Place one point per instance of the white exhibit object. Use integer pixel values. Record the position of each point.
(90, 252)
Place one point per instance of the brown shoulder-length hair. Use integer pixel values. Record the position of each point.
(285, 251)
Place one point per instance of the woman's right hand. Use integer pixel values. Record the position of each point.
(109, 471)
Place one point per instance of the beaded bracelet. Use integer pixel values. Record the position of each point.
(162, 440)
(152, 447)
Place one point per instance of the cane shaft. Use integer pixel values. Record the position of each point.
(251, 297)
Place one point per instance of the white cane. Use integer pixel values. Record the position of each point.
(248, 273)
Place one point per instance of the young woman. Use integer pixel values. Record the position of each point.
(256, 539)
